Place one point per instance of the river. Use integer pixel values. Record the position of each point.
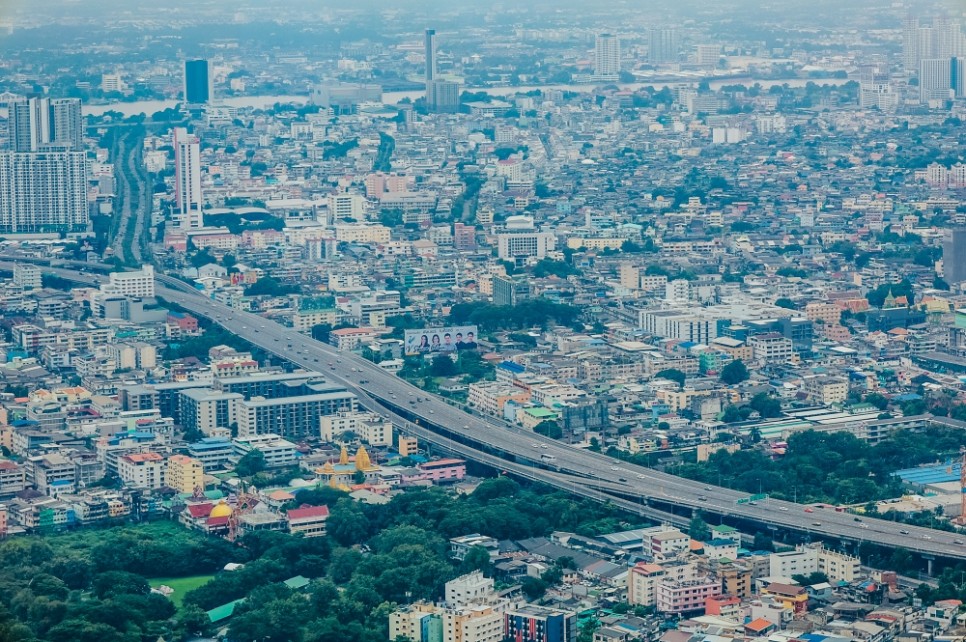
(149, 107)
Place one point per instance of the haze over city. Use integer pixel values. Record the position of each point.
(441, 321)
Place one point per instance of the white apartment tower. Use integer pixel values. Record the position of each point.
(46, 124)
(187, 179)
(43, 192)
(607, 55)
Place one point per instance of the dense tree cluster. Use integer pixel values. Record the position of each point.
(527, 314)
(92, 585)
(827, 467)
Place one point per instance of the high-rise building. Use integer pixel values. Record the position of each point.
(430, 57)
(607, 55)
(44, 191)
(443, 97)
(954, 255)
(943, 39)
(198, 82)
(38, 124)
(663, 46)
(187, 179)
(935, 79)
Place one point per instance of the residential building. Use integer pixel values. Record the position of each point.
(642, 582)
(142, 470)
(135, 284)
(665, 543)
(188, 199)
(43, 192)
(607, 56)
(184, 474)
(278, 452)
(532, 623)
(290, 417)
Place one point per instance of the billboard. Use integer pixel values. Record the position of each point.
(440, 340)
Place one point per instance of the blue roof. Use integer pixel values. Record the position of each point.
(511, 365)
(939, 474)
(910, 396)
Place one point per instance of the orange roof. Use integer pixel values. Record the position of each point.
(696, 545)
(758, 625)
(138, 458)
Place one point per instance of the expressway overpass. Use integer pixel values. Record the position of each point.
(510, 448)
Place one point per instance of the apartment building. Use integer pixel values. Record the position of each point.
(184, 474)
(142, 470)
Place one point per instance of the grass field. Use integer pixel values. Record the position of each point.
(181, 585)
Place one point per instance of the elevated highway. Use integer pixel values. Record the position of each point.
(508, 447)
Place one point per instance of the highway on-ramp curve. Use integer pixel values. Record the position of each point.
(610, 477)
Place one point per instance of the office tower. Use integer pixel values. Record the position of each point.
(607, 55)
(954, 255)
(198, 87)
(663, 46)
(36, 124)
(43, 192)
(187, 179)
(935, 79)
(430, 56)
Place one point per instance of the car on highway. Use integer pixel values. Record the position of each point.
(621, 479)
(702, 498)
(809, 510)
(816, 523)
(903, 532)
(783, 508)
(614, 468)
(642, 476)
(958, 541)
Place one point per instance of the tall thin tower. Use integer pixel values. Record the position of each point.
(430, 63)
(187, 178)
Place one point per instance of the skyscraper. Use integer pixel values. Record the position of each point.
(663, 46)
(198, 82)
(607, 55)
(42, 123)
(430, 56)
(187, 179)
(954, 255)
(935, 79)
(44, 191)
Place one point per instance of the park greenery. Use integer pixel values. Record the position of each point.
(836, 468)
(93, 585)
(527, 314)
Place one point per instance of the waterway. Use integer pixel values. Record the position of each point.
(149, 107)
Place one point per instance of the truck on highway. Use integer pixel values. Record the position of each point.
(547, 458)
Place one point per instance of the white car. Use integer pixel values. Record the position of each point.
(782, 508)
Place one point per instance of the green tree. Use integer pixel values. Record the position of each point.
(477, 559)
(786, 303)
(766, 405)
(672, 374)
(251, 463)
(548, 428)
(734, 373)
(347, 524)
(698, 529)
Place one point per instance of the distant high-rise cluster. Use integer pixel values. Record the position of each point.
(43, 176)
(187, 179)
(663, 46)
(936, 53)
(607, 55)
(41, 123)
(442, 96)
(198, 82)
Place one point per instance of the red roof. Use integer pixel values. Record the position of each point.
(197, 511)
(308, 512)
(218, 521)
